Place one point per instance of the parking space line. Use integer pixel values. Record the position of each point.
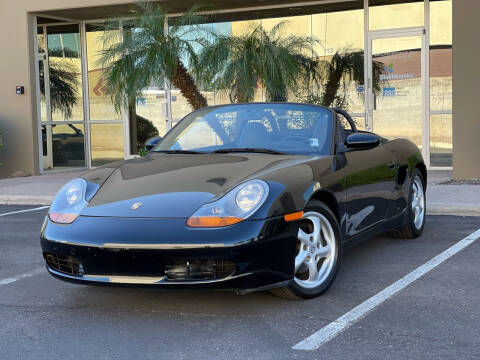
(26, 210)
(333, 329)
(22, 276)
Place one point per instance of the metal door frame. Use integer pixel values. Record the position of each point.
(44, 59)
(369, 100)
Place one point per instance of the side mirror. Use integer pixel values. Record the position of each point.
(150, 143)
(361, 141)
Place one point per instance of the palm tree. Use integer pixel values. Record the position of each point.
(239, 64)
(63, 82)
(147, 55)
(344, 67)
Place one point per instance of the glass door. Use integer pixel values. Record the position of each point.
(61, 103)
(396, 86)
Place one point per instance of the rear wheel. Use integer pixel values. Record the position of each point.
(414, 221)
(317, 256)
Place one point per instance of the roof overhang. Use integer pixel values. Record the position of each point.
(222, 10)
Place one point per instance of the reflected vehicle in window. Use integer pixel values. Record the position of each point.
(67, 141)
(245, 197)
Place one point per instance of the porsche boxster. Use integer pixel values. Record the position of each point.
(242, 197)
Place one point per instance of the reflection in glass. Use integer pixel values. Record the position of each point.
(441, 55)
(180, 106)
(107, 143)
(101, 106)
(63, 146)
(40, 40)
(64, 67)
(152, 106)
(395, 16)
(107, 139)
(441, 140)
(398, 107)
(341, 34)
(41, 81)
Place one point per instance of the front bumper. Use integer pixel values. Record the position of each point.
(137, 251)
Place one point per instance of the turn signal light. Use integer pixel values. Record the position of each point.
(293, 216)
(212, 221)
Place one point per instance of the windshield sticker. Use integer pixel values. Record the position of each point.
(314, 142)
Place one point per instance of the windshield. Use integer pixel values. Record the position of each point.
(281, 128)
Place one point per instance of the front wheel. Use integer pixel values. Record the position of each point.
(317, 257)
(414, 220)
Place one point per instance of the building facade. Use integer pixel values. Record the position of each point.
(65, 117)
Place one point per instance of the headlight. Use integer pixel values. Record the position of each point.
(237, 205)
(69, 202)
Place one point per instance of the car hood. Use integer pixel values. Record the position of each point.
(175, 185)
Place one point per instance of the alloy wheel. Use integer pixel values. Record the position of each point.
(316, 250)
(418, 202)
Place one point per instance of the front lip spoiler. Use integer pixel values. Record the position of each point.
(138, 280)
(155, 246)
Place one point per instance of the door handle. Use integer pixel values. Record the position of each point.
(392, 165)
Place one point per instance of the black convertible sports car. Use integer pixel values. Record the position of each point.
(244, 197)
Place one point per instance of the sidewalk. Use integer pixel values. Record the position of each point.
(462, 200)
(34, 190)
(442, 199)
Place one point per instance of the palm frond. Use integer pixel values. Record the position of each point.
(240, 64)
(144, 54)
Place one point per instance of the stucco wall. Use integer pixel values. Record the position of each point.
(18, 112)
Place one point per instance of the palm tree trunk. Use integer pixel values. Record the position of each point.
(184, 81)
(332, 86)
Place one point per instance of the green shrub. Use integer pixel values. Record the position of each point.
(145, 130)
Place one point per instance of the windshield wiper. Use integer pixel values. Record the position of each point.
(252, 150)
(178, 151)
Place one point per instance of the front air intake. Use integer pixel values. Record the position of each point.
(64, 264)
(191, 270)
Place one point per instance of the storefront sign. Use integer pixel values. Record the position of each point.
(388, 91)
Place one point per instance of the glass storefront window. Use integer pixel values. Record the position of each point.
(40, 40)
(398, 107)
(106, 139)
(441, 55)
(65, 73)
(101, 106)
(341, 33)
(152, 106)
(395, 16)
(441, 82)
(41, 73)
(63, 146)
(107, 143)
(441, 140)
(180, 106)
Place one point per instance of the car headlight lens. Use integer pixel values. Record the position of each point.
(237, 205)
(69, 202)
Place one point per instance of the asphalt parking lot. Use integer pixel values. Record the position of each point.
(436, 316)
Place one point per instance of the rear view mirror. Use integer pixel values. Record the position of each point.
(150, 143)
(361, 140)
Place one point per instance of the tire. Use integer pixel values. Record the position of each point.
(321, 251)
(412, 227)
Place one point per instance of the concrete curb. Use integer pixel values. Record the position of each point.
(25, 200)
(453, 209)
(432, 208)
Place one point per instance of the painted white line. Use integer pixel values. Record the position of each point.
(331, 330)
(26, 210)
(22, 276)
